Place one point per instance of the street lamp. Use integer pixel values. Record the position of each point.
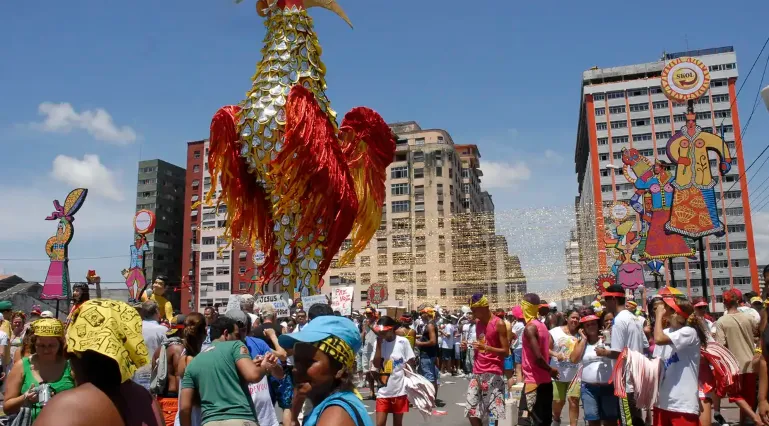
(765, 95)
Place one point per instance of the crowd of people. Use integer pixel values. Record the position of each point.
(665, 362)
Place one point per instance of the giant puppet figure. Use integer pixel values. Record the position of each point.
(144, 223)
(652, 200)
(694, 212)
(295, 183)
(56, 284)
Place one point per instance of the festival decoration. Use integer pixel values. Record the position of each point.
(56, 285)
(693, 212)
(296, 184)
(144, 223)
(604, 281)
(652, 201)
(377, 293)
(622, 241)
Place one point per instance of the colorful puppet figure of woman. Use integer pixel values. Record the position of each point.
(135, 280)
(694, 212)
(652, 201)
(56, 285)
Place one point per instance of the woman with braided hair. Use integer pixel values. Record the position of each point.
(678, 346)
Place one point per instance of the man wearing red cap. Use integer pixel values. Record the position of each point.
(737, 331)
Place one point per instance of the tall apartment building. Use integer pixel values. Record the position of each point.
(624, 107)
(436, 241)
(573, 275)
(160, 189)
(213, 269)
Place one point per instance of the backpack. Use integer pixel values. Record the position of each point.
(159, 376)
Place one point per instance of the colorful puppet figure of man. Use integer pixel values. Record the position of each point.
(694, 212)
(296, 183)
(652, 201)
(56, 284)
(135, 280)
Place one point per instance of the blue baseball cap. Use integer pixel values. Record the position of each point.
(321, 328)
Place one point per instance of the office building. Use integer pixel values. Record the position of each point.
(160, 189)
(214, 270)
(436, 242)
(624, 107)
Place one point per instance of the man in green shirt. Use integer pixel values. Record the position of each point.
(220, 377)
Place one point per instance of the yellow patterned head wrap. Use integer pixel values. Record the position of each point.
(110, 328)
(337, 349)
(429, 311)
(48, 327)
(530, 311)
(479, 300)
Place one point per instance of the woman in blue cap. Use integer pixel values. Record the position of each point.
(324, 356)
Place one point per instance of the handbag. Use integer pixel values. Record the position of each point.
(24, 418)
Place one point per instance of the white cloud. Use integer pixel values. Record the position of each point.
(86, 173)
(503, 174)
(553, 157)
(62, 118)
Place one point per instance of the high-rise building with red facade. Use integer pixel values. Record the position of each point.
(624, 107)
(213, 269)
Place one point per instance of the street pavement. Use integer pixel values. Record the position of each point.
(452, 391)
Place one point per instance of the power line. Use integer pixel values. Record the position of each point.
(746, 78)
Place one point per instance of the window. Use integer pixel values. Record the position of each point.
(734, 211)
(718, 246)
(600, 126)
(729, 195)
(600, 111)
(208, 240)
(641, 122)
(598, 96)
(421, 292)
(603, 157)
(662, 151)
(440, 139)
(365, 261)
(402, 206)
(243, 285)
(400, 241)
(605, 172)
(646, 152)
(381, 260)
(399, 189)
(420, 242)
(660, 104)
(402, 258)
(443, 292)
(443, 275)
(196, 154)
(655, 90)
(441, 257)
(642, 137)
(195, 168)
(363, 295)
(419, 206)
(619, 124)
(738, 245)
(419, 141)
(620, 109)
(365, 278)
(664, 119)
(619, 139)
(718, 83)
(721, 98)
(419, 172)
(421, 276)
(615, 95)
(207, 255)
(223, 270)
(419, 156)
(637, 92)
(606, 188)
(402, 275)
(724, 113)
(664, 135)
(617, 155)
(603, 141)
(399, 172)
(401, 224)
(639, 107)
(722, 67)
(736, 228)
(705, 115)
(223, 286)
(420, 259)
(195, 184)
(740, 263)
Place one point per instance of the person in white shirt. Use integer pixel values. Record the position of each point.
(154, 336)
(598, 400)
(391, 354)
(446, 331)
(517, 344)
(468, 337)
(626, 332)
(679, 348)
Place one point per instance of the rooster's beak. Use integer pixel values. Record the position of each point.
(331, 5)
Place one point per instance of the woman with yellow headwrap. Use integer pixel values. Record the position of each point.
(324, 356)
(105, 347)
(46, 365)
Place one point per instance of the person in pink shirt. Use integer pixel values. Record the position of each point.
(536, 406)
(486, 391)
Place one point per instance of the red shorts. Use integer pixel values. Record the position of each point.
(670, 418)
(747, 389)
(397, 405)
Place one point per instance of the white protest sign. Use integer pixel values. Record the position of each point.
(266, 298)
(341, 300)
(281, 309)
(233, 303)
(318, 299)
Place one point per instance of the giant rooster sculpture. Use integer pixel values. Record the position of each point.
(296, 184)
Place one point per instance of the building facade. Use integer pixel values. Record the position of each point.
(436, 241)
(160, 189)
(624, 107)
(573, 275)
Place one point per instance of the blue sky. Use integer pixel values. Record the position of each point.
(142, 78)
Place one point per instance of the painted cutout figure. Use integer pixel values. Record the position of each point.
(56, 285)
(652, 201)
(135, 280)
(694, 212)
